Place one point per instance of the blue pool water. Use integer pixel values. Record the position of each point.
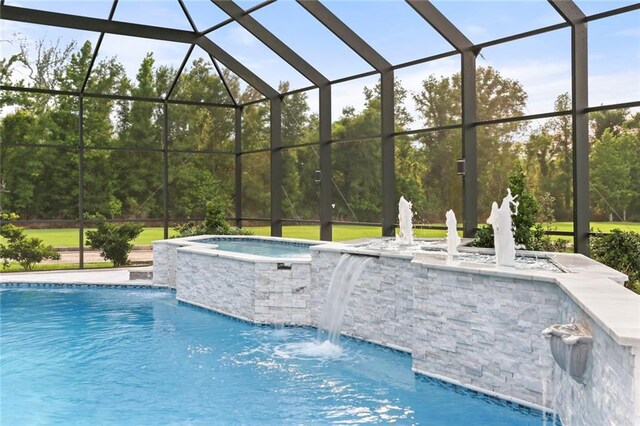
(136, 357)
(260, 247)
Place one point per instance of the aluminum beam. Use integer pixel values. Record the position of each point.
(569, 11)
(224, 80)
(389, 213)
(346, 34)
(235, 66)
(276, 167)
(441, 24)
(469, 145)
(179, 73)
(326, 212)
(165, 169)
(580, 121)
(84, 23)
(97, 48)
(81, 181)
(238, 163)
(469, 107)
(249, 23)
(41, 17)
(188, 16)
(380, 64)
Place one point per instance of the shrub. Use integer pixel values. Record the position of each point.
(26, 251)
(619, 250)
(526, 232)
(114, 240)
(215, 223)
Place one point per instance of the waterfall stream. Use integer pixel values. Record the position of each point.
(343, 280)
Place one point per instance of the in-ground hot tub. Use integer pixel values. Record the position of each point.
(259, 279)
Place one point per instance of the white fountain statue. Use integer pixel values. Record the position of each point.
(503, 240)
(453, 239)
(405, 236)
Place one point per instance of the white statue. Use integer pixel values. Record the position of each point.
(405, 236)
(453, 239)
(503, 240)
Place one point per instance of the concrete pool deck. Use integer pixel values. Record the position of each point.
(121, 276)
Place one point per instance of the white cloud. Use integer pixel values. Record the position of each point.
(628, 32)
(240, 37)
(474, 31)
(130, 51)
(610, 88)
(411, 79)
(542, 80)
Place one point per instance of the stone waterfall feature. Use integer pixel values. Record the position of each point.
(344, 278)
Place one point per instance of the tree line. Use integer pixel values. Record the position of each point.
(123, 162)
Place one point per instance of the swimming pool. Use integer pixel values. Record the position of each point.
(260, 247)
(122, 356)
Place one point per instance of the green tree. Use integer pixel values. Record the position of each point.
(549, 154)
(114, 240)
(26, 251)
(620, 250)
(137, 175)
(615, 168)
(613, 120)
(439, 104)
(526, 232)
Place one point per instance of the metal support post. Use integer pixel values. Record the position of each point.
(276, 166)
(165, 173)
(326, 231)
(388, 164)
(81, 181)
(469, 145)
(238, 164)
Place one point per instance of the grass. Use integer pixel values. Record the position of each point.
(69, 237)
(600, 226)
(14, 267)
(340, 232)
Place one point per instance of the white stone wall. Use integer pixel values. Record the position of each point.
(165, 262)
(477, 327)
(162, 262)
(380, 307)
(254, 291)
(484, 331)
(607, 396)
(282, 295)
(220, 284)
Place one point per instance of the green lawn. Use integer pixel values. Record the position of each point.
(340, 232)
(14, 267)
(69, 237)
(601, 226)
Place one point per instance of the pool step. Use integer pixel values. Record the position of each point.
(141, 273)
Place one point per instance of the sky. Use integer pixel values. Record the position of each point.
(542, 64)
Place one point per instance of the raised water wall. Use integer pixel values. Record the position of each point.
(484, 330)
(480, 326)
(474, 325)
(611, 392)
(254, 288)
(165, 261)
(380, 308)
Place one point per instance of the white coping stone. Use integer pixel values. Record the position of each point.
(69, 277)
(210, 250)
(614, 308)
